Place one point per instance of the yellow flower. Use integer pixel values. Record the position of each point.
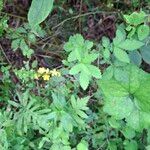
(54, 72)
(41, 70)
(46, 77)
(47, 71)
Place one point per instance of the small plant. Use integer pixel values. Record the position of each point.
(81, 55)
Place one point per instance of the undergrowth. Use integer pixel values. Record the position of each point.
(86, 90)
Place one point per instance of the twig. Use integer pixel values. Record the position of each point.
(13, 15)
(81, 15)
(4, 54)
(81, 3)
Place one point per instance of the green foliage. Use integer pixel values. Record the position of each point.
(128, 44)
(81, 55)
(45, 111)
(125, 96)
(22, 39)
(39, 11)
(3, 25)
(1, 5)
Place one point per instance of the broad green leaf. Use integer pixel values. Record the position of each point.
(84, 80)
(143, 32)
(145, 120)
(121, 55)
(145, 52)
(114, 123)
(128, 132)
(110, 88)
(38, 12)
(135, 57)
(83, 145)
(135, 18)
(130, 44)
(135, 89)
(143, 95)
(119, 107)
(134, 122)
(131, 145)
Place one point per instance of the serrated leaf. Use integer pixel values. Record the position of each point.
(120, 36)
(106, 53)
(143, 32)
(121, 55)
(75, 69)
(105, 41)
(84, 80)
(89, 58)
(95, 71)
(130, 44)
(15, 44)
(82, 114)
(39, 10)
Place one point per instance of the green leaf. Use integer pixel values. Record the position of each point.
(114, 123)
(134, 122)
(128, 132)
(39, 10)
(106, 53)
(105, 42)
(83, 145)
(84, 80)
(119, 108)
(95, 71)
(143, 32)
(1, 5)
(75, 69)
(135, 57)
(143, 95)
(130, 44)
(135, 18)
(15, 44)
(89, 58)
(110, 88)
(125, 96)
(131, 145)
(121, 55)
(120, 36)
(145, 52)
